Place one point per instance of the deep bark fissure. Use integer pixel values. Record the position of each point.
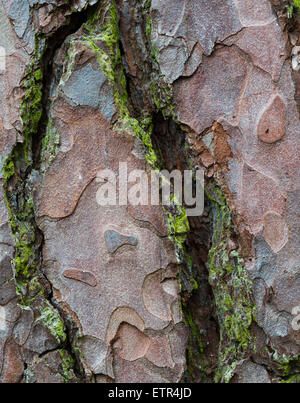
(169, 139)
(54, 43)
(174, 153)
(20, 186)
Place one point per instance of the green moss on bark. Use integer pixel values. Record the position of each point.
(232, 289)
(18, 194)
(68, 365)
(288, 367)
(52, 320)
(297, 4)
(50, 146)
(195, 348)
(104, 38)
(161, 90)
(101, 33)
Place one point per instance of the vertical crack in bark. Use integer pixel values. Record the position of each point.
(198, 304)
(150, 96)
(20, 182)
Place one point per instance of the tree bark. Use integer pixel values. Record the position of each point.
(146, 293)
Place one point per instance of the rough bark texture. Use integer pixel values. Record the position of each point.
(141, 293)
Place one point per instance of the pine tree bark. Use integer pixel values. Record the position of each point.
(125, 293)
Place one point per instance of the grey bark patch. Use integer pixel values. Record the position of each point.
(208, 140)
(41, 340)
(197, 20)
(19, 13)
(253, 373)
(89, 87)
(6, 33)
(22, 329)
(114, 240)
(175, 50)
(95, 352)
